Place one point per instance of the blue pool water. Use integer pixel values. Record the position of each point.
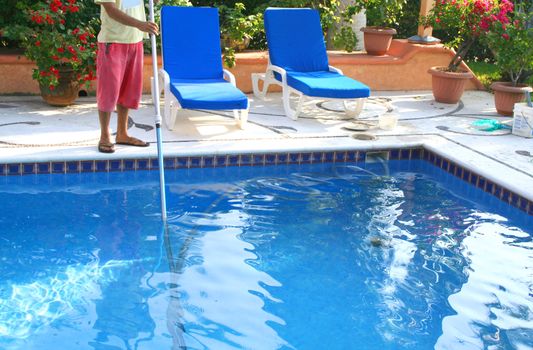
(332, 256)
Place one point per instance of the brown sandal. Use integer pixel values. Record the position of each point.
(133, 141)
(106, 147)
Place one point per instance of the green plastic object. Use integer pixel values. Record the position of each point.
(489, 125)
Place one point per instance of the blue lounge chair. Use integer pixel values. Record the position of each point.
(192, 75)
(298, 62)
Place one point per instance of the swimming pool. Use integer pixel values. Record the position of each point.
(382, 255)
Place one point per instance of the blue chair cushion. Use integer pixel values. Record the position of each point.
(296, 44)
(327, 84)
(191, 42)
(211, 94)
(295, 39)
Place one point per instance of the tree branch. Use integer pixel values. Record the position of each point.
(459, 55)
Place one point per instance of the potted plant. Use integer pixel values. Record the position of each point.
(512, 45)
(236, 30)
(60, 40)
(384, 13)
(470, 19)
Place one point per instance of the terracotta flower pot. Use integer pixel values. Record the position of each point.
(63, 94)
(506, 95)
(377, 40)
(237, 45)
(448, 87)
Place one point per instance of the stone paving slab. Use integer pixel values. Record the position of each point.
(31, 131)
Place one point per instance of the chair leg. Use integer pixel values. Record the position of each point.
(171, 111)
(266, 79)
(167, 109)
(289, 112)
(354, 112)
(161, 84)
(156, 95)
(241, 116)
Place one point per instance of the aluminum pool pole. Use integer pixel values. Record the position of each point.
(155, 98)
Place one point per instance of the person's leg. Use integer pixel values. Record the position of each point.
(122, 122)
(105, 144)
(123, 138)
(130, 95)
(109, 70)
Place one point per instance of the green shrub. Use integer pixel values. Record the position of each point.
(237, 30)
(13, 15)
(57, 36)
(408, 19)
(512, 44)
(383, 12)
(486, 72)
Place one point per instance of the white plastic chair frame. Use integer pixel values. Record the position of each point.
(172, 104)
(268, 79)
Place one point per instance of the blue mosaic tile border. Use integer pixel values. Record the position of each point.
(200, 162)
(479, 181)
(117, 165)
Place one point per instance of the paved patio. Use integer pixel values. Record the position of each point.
(31, 131)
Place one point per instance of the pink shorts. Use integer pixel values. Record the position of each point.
(119, 69)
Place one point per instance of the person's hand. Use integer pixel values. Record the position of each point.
(149, 27)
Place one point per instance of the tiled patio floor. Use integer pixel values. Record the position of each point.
(31, 131)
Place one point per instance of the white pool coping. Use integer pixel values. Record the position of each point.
(71, 133)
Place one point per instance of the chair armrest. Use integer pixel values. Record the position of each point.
(229, 77)
(335, 70)
(279, 70)
(164, 84)
(164, 76)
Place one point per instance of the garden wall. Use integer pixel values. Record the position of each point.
(405, 68)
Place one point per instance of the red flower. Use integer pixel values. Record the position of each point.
(55, 5)
(56, 37)
(505, 36)
(90, 76)
(37, 18)
(83, 37)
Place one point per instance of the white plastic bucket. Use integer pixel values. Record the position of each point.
(523, 120)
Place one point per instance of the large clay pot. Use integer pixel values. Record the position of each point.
(63, 94)
(506, 95)
(378, 40)
(448, 87)
(237, 45)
